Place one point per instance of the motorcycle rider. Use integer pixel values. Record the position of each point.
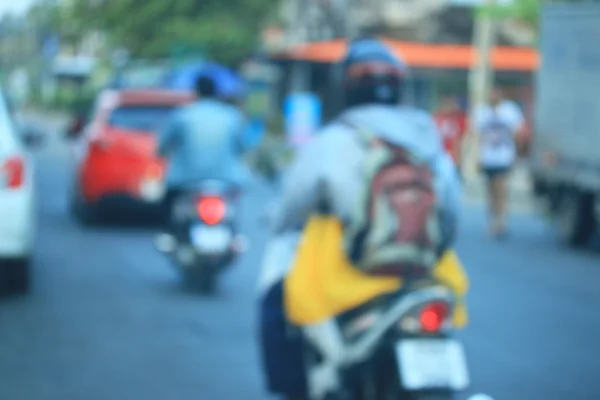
(329, 168)
(203, 141)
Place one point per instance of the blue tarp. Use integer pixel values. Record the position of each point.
(229, 83)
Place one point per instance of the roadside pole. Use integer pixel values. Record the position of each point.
(480, 81)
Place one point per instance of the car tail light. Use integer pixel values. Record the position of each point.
(154, 171)
(12, 172)
(433, 316)
(211, 210)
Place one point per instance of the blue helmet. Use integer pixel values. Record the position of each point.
(373, 73)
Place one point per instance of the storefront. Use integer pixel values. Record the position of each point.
(436, 70)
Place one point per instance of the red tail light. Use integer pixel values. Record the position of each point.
(211, 210)
(433, 316)
(13, 172)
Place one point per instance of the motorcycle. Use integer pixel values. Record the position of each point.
(203, 240)
(396, 347)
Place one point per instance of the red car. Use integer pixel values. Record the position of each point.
(115, 152)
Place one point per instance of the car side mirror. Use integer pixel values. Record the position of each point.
(75, 129)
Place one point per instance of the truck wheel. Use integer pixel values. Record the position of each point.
(15, 277)
(575, 218)
(21, 276)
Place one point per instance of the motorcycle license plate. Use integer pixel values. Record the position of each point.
(210, 239)
(432, 364)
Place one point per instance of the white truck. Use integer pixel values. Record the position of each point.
(566, 148)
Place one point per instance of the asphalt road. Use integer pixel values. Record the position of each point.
(107, 319)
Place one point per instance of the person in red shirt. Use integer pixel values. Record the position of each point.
(452, 124)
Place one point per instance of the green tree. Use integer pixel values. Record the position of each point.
(226, 30)
(527, 11)
(48, 18)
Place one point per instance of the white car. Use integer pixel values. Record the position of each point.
(17, 204)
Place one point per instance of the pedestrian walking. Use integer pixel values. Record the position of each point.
(497, 125)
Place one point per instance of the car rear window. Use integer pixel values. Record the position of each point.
(146, 118)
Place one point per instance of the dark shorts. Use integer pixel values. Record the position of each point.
(495, 172)
(281, 351)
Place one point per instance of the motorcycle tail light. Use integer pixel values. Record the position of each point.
(12, 172)
(211, 210)
(433, 316)
(429, 318)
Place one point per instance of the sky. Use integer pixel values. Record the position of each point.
(14, 6)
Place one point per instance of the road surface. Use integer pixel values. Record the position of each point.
(107, 319)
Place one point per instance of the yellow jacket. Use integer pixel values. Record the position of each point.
(322, 282)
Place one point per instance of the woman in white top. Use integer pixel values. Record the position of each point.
(498, 123)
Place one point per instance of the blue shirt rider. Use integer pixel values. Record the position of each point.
(331, 167)
(204, 141)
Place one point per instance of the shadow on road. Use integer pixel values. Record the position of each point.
(128, 219)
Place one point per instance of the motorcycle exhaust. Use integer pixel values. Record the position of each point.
(165, 243)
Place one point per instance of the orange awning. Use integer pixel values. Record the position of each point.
(425, 55)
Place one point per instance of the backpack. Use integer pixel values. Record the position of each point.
(396, 227)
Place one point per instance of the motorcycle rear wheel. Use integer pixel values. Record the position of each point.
(202, 281)
(432, 396)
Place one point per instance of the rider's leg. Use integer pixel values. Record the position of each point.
(490, 198)
(281, 352)
(501, 190)
(497, 184)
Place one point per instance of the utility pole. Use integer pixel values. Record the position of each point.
(480, 79)
(340, 15)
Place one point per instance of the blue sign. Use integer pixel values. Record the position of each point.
(51, 46)
(254, 133)
(257, 108)
(302, 113)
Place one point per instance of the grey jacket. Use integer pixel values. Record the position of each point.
(330, 167)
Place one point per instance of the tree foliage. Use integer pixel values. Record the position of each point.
(226, 30)
(527, 11)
